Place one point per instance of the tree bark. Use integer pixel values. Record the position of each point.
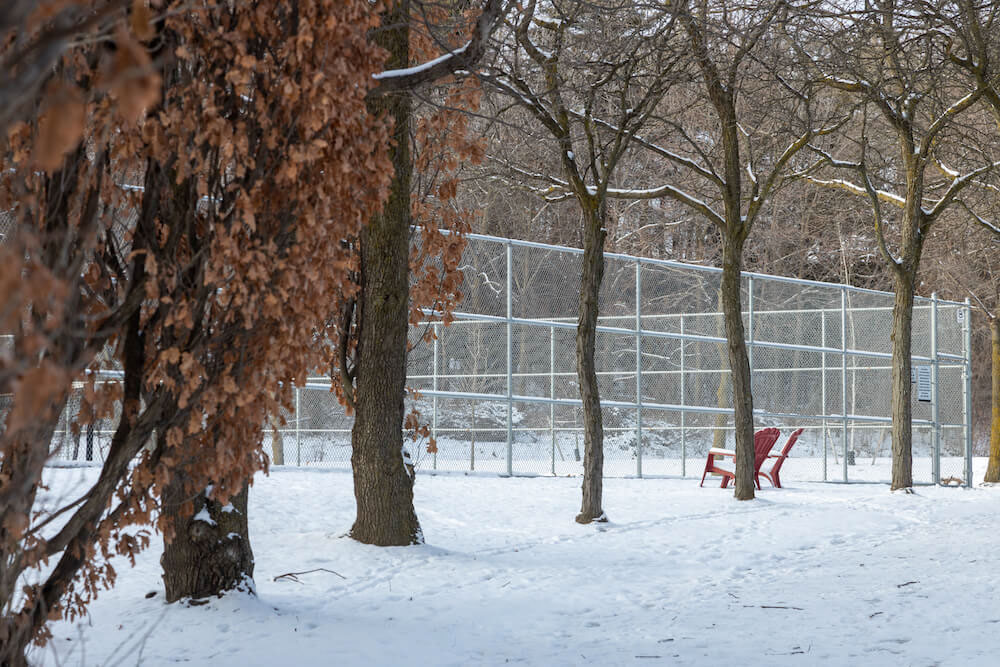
(277, 443)
(591, 274)
(721, 399)
(902, 409)
(383, 475)
(74, 539)
(993, 469)
(739, 365)
(210, 552)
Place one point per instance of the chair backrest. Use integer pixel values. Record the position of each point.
(791, 441)
(763, 443)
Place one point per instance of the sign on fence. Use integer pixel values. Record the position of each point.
(924, 384)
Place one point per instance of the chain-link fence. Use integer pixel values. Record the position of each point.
(498, 386)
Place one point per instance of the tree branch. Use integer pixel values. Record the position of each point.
(462, 58)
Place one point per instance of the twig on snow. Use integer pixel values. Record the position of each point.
(294, 576)
(773, 606)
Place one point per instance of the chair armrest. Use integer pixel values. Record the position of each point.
(717, 451)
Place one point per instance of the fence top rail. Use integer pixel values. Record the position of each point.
(695, 267)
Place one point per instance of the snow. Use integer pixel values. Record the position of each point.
(416, 69)
(203, 515)
(812, 574)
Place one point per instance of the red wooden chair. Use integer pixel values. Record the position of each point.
(772, 474)
(763, 442)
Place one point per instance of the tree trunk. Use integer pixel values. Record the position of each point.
(993, 470)
(383, 475)
(17, 631)
(739, 366)
(902, 409)
(721, 399)
(277, 443)
(210, 552)
(592, 272)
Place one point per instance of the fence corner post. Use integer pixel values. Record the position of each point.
(298, 428)
(967, 391)
(434, 398)
(638, 367)
(935, 376)
(510, 359)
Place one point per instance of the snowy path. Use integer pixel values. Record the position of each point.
(815, 574)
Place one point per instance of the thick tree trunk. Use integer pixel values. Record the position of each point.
(383, 476)
(210, 552)
(592, 272)
(993, 469)
(902, 409)
(739, 366)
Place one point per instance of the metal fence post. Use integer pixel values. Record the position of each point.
(822, 334)
(434, 399)
(298, 430)
(935, 414)
(510, 359)
(638, 367)
(967, 391)
(750, 328)
(843, 376)
(552, 393)
(683, 405)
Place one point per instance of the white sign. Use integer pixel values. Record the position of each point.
(924, 384)
(960, 315)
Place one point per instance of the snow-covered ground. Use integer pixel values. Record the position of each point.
(813, 574)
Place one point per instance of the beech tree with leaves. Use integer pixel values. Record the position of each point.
(198, 249)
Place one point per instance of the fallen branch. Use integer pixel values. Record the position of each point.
(773, 606)
(294, 576)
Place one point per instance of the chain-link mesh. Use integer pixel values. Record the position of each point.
(498, 387)
(820, 354)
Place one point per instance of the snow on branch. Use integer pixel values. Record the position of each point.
(990, 226)
(659, 150)
(557, 191)
(462, 58)
(856, 189)
(957, 185)
(941, 121)
(423, 67)
(675, 194)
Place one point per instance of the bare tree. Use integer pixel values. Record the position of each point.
(965, 260)
(735, 155)
(896, 63)
(590, 74)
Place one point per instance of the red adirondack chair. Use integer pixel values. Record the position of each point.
(779, 459)
(763, 442)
